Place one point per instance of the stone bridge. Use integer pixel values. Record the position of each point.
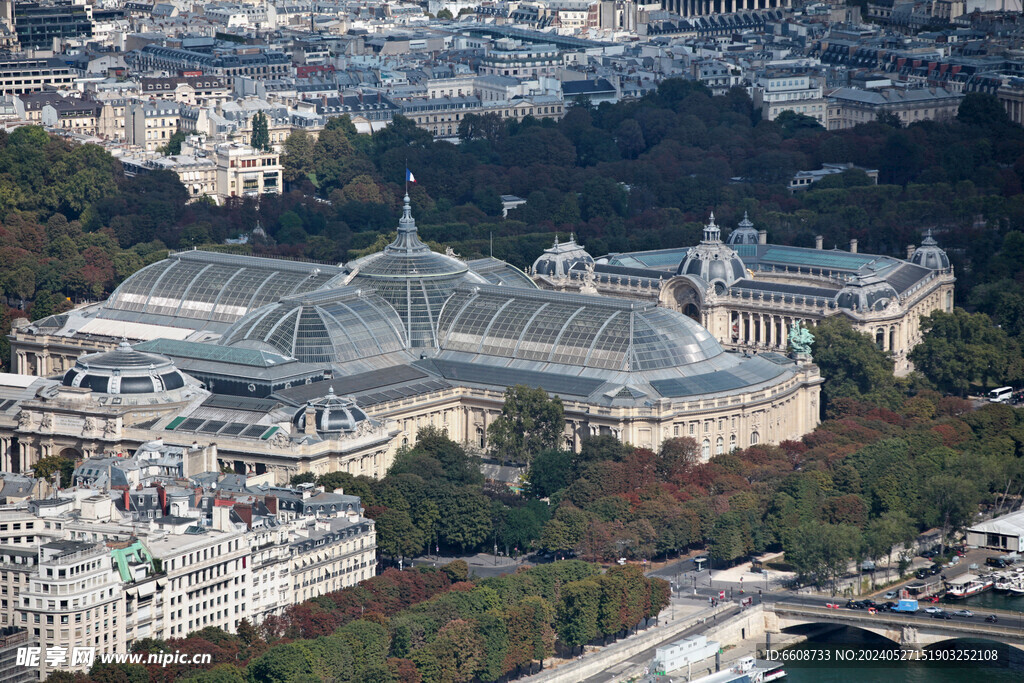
(907, 630)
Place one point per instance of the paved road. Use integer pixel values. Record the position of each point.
(647, 655)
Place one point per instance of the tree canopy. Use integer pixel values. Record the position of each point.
(529, 423)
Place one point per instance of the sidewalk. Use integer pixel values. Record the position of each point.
(606, 662)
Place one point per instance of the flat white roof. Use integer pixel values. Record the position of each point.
(8, 379)
(1011, 524)
(132, 330)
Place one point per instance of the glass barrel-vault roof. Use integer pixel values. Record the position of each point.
(498, 272)
(329, 326)
(413, 279)
(207, 287)
(570, 329)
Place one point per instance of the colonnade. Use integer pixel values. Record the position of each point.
(762, 330)
(700, 8)
(41, 364)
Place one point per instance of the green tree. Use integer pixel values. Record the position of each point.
(950, 502)
(729, 538)
(397, 535)
(566, 530)
(222, 673)
(298, 156)
(459, 648)
(445, 14)
(466, 521)
(529, 423)
(794, 124)
(960, 348)
(260, 138)
(576, 619)
(549, 472)
(46, 467)
(173, 145)
(983, 110)
(885, 532)
(852, 365)
(888, 118)
(822, 552)
(281, 664)
(302, 478)
(489, 127)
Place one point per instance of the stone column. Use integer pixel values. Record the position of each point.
(21, 363)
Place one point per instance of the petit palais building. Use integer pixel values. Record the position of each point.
(284, 367)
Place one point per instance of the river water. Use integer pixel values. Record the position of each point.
(847, 639)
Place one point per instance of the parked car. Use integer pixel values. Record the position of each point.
(954, 561)
(964, 613)
(891, 595)
(996, 562)
(932, 610)
(921, 573)
(929, 554)
(991, 619)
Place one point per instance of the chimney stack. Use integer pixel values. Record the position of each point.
(818, 242)
(910, 250)
(762, 237)
(853, 246)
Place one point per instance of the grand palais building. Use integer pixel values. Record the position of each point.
(287, 367)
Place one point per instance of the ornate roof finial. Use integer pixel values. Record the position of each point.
(711, 231)
(556, 239)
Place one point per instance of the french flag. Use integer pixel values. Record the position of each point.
(409, 177)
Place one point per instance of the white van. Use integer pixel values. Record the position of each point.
(1000, 395)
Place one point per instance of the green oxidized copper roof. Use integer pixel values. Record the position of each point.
(133, 554)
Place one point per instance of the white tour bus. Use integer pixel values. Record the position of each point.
(1000, 395)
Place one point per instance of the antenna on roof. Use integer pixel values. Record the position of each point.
(492, 243)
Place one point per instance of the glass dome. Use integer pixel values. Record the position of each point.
(413, 279)
(329, 326)
(124, 371)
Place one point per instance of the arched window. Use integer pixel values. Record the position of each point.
(719, 446)
(481, 437)
(732, 443)
(880, 338)
(705, 449)
(754, 438)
